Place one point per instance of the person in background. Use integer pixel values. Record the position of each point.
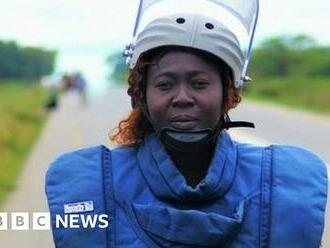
(80, 85)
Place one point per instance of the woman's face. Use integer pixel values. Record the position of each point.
(184, 92)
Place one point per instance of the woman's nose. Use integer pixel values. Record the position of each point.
(182, 98)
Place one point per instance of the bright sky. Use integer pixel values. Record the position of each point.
(94, 28)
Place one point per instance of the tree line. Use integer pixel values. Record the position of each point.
(282, 56)
(28, 63)
(290, 57)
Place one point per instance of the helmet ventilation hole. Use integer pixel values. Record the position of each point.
(209, 25)
(180, 20)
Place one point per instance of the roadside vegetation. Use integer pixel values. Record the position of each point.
(22, 102)
(292, 71)
(22, 117)
(304, 93)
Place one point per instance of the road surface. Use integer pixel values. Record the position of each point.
(285, 126)
(74, 126)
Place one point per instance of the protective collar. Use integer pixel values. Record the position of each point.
(194, 141)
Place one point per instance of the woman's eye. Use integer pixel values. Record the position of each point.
(199, 84)
(164, 85)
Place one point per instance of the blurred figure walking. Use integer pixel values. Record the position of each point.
(80, 85)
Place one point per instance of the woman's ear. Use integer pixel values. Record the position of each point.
(234, 98)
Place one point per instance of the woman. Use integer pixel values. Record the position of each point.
(178, 180)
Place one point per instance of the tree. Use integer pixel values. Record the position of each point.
(290, 56)
(117, 63)
(25, 62)
(271, 58)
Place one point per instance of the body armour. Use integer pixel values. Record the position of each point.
(251, 197)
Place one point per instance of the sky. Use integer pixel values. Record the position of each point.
(85, 31)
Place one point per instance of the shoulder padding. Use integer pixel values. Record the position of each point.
(299, 194)
(77, 177)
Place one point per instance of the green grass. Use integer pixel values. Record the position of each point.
(308, 94)
(21, 120)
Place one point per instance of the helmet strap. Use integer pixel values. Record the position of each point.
(192, 140)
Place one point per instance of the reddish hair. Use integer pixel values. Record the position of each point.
(132, 130)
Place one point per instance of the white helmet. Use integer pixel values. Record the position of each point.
(196, 31)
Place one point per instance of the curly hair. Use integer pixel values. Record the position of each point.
(133, 129)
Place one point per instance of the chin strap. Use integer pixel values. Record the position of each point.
(227, 123)
(192, 137)
(188, 141)
(232, 124)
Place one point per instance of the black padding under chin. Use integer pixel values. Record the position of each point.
(186, 141)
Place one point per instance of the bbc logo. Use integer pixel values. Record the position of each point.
(24, 221)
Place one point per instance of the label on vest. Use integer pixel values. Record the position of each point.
(78, 207)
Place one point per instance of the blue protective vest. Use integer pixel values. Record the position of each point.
(251, 197)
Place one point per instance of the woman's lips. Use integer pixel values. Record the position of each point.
(184, 125)
(183, 122)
